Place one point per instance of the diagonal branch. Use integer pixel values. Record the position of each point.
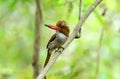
(70, 39)
(80, 23)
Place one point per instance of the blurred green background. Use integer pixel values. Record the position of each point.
(100, 35)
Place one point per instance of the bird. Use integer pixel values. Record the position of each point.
(57, 39)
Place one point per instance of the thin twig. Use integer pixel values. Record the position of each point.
(99, 46)
(80, 12)
(70, 39)
(80, 9)
(38, 21)
(98, 54)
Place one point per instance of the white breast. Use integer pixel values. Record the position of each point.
(61, 37)
(59, 40)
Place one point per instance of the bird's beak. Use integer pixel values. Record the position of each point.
(53, 27)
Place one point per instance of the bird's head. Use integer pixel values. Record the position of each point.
(60, 26)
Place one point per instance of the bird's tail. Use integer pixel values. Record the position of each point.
(47, 58)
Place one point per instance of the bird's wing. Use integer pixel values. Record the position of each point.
(51, 39)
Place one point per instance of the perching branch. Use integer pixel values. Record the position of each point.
(38, 21)
(70, 39)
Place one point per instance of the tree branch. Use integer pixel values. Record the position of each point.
(82, 20)
(38, 21)
(80, 8)
(70, 39)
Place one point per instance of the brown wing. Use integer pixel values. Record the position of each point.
(51, 39)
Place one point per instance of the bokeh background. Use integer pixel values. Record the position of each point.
(98, 47)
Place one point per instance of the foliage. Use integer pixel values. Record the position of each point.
(79, 60)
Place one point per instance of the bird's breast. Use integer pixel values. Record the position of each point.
(61, 37)
(58, 41)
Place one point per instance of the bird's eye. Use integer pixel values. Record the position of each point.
(61, 26)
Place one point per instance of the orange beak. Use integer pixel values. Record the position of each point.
(53, 27)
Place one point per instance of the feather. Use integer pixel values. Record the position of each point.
(51, 39)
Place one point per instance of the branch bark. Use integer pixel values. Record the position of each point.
(70, 39)
(80, 11)
(38, 21)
